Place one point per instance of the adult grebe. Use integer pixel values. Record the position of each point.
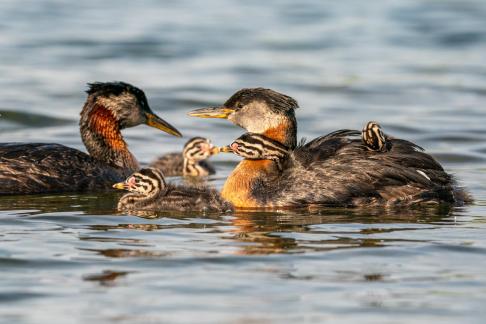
(148, 191)
(332, 170)
(192, 162)
(49, 168)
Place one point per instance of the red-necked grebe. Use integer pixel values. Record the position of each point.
(30, 168)
(332, 170)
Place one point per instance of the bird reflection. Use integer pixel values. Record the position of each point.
(95, 204)
(277, 232)
(281, 232)
(106, 278)
(248, 232)
(128, 253)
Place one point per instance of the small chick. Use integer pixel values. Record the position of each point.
(191, 162)
(254, 146)
(374, 138)
(149, 191)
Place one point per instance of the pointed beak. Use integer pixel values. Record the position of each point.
(120, 186)
(215, 150)
(225, 149)
(212, 149)
(212, 112)
(155, 121)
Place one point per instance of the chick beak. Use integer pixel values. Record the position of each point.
(214, 150)
(212, 112)
(155, 121)
(225, 149)
(120, 186)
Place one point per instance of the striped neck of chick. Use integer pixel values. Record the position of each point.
(144, 187)
(253, 146)
(197, 149)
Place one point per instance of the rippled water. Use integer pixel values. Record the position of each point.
(418, 67)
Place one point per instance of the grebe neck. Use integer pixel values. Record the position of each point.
(102, 138)
(193, 168)
(283, 131)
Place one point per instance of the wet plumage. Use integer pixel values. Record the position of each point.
(333, 170)
(29, 168)
(150, 192)
(191, 162)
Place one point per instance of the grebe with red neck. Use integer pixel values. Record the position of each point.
(28, 168)
(337, 169)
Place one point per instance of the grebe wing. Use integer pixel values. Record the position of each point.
(324, 146)
(341, 134)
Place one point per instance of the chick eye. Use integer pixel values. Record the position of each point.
(239, 105)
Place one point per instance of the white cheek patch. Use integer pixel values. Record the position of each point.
(257, 111)
(422, 173)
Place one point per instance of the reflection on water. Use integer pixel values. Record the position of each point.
(335, 254)
(106, 278)
(104, 203)
(417, 67)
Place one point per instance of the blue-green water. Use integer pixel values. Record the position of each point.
(417, 67)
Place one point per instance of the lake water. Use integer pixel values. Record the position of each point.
(417, 67)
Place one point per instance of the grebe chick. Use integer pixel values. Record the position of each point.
(332, 170)
(254, 146)
(374, 138)
(191, 162)
(31, 168)
(149, 191)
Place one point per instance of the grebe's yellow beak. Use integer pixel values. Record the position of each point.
(155, 121)
(212, 112)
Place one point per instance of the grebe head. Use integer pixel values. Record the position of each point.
(198, 149)
(146, 182)
(253, 146)
(258, 110)
(124, 103)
